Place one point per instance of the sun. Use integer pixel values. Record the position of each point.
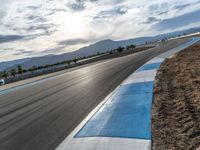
(71, 25)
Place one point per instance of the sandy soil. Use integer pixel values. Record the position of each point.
(176, 106)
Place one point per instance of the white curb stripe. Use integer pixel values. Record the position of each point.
(104, 143)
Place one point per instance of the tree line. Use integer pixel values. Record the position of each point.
(19, 70)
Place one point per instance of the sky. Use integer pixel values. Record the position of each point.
(33, 28)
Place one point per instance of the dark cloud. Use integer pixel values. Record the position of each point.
(42, 28)
(111, 13)
(73, 42)
(178, 22)
(23, 52)
(181, 6)
(35, 18)
(162, 13)
(151, 20)
(54, 50)
(121, 11)
(34, 7)
(78, 5)
(10, 38)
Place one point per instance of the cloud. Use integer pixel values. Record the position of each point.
(23, 52)
(34, 7)
(2, 14)
(53, 11)
(41, 29)
(121, 10)
(10, 38)
(77, 5)
(38, 26)
(73, 42)
(180, 7)
(178, 22)
(53, 50)
(6, 49)
(151, 20)
(163, 12)
(111, 13)
(36, 18)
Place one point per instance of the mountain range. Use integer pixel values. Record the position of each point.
(101, 46)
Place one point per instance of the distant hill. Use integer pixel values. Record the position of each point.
(101, 46)
(8, 64)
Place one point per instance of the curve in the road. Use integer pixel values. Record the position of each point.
(39, 116)
(123, 121)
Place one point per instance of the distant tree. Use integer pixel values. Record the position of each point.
(68, 62)
(110, 52)
(5, 74)
(13, 72)
(130, 47)
(1, 74)
(120, 49)
(19, 69)
(163, 40)
(75, 60)
(46, 66)
(34, 68)
(24, 71)
(98, 53)
(40, 67)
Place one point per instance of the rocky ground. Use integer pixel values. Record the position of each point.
(176, 105)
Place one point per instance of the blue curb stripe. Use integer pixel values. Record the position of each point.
(141, 87)
(150, 67)
(123, 116)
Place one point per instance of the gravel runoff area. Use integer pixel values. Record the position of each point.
(176, 105)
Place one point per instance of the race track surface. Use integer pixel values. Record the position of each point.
(40, 116)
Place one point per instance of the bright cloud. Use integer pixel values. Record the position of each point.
(33, 28)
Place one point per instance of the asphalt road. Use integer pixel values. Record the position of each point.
(40, 116)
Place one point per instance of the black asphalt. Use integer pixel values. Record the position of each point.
(39, 117)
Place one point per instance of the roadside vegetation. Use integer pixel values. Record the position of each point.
(20, 71)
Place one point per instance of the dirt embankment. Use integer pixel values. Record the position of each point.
(176, 106)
